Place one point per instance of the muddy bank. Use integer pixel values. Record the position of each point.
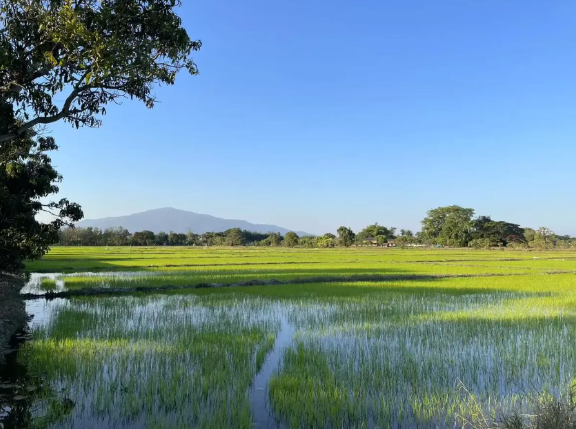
(12, 310)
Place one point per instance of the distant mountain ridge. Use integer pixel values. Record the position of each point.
(169, 219)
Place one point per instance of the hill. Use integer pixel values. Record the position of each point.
(170, 219)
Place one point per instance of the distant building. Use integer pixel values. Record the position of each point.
(371, 241)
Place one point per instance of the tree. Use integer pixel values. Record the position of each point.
(144, 238)
(529, 234)
(406, 233)
(544, 238)
(327, 240)
(273, 239)
(26, 175)
(405, 240)
(66, 60)
(307, 241)
(448, 226)
(374, 231)
(118, 236)
(192, 239)
(290, 239)
(381, 240)
(346, 236)
(161, 238)
(254, 237)
(234, 237)
(496, 233)
(88, 53)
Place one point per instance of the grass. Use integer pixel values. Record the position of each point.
(390, 349)
(166, 362)
(48, 285)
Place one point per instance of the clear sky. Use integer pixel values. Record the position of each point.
(316, 114)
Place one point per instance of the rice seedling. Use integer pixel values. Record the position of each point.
(48, 285)
(386, 341)
(171, 361)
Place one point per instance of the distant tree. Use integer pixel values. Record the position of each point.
(212, 238)
(234, 237)
(346, 236)
(144, 238)
(325, 241)
(192, 239)
(405, 240)
(372, 231)
(496, 233)
(381, 240)
(448, 226)
(290, 239)
(406, 233)
(307, 241)
(118, 236)
(254, 237)
(150, 238)
(161, 238)
(274, 239)
(544, 238)
(529, 234)
(480, 243)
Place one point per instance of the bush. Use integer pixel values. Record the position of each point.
(480, 243)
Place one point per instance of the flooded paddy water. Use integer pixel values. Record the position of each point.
(418, 353)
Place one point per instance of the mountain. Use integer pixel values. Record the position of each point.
(170, 219)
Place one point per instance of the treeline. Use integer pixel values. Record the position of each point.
(455, 226)
(371, 235)
(451, 226)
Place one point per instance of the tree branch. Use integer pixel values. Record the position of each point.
(45, 119)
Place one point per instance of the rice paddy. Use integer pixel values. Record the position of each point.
(335, 338)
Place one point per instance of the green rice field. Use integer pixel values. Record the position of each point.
(291, 338)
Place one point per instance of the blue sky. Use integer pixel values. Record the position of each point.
(316, 114)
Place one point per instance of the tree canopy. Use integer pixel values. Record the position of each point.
(448, 226)
(67, 60)
(346, 236)
(87, 53)
(26, 175)
(290, 239)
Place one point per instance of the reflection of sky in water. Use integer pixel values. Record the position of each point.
(399, 334)
(152, 326)
(43, 311)
(34, 284)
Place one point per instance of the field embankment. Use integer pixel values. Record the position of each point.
(12, 311)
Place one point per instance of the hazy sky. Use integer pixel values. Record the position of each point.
(316, 114)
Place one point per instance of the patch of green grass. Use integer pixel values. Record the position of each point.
(48, 285)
